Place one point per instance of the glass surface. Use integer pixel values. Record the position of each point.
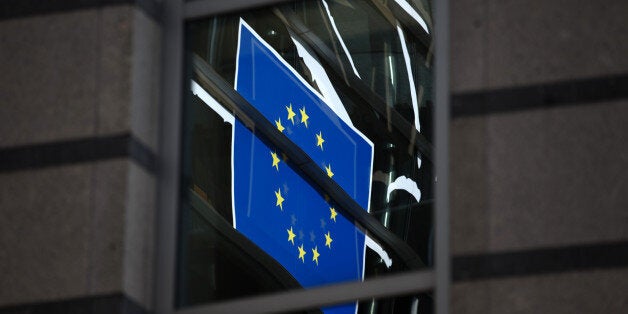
(350, 84)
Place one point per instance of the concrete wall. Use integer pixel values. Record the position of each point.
(79, 88)
(544, 180)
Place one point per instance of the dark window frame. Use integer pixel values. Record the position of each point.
(176, 13)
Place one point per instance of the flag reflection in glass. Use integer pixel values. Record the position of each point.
(272, 204)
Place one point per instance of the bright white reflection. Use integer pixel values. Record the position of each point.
(212, 103)
(406, 184)
(342, 43)
(392, 70)
(322, 80)
(413, 13)
(406, 57)
(370, 243)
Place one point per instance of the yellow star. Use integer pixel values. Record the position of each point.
(275, 160)
(328, 240)
(279, 199)
(302, 253)
(329, 173)
(291, 235)
(304, 116)
(316, 255)
(333, 214)
(291, 113)
(279, 126)
(320, 140)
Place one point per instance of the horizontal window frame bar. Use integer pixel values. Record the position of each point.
(386, 286)
(204, 8)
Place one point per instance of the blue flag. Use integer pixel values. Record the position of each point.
(273, 205)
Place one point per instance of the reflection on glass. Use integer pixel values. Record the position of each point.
(333, 77)
(272, 199)
(407, 304)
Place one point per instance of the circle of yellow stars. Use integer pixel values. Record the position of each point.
(315, 253)
(320, 140)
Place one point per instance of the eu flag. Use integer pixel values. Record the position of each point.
(272, 204)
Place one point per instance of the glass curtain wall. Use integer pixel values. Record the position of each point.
(276, 96)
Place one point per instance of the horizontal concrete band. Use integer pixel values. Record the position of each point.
(538, 96)
(101, 304)
(76, 151)
(540, 261)
(10, 9)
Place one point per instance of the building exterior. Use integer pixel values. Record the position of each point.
(93, 143)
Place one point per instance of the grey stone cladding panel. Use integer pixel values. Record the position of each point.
(596, 291)
(107, 226)
(538, 41)
(49, 82)
(139, 235)
(558, 176)
(130, 68)
(496, 43)
(79, 74)
(45, 233)
(468, 27)
(114, 69)
(146, 73)
(468, 188)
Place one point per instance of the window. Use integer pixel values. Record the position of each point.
(306, 154)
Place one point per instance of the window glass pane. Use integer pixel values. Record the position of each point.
(347, 84)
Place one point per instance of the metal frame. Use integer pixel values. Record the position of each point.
(176, 12)
(323, 296)
(169, 156)
(442, 257)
